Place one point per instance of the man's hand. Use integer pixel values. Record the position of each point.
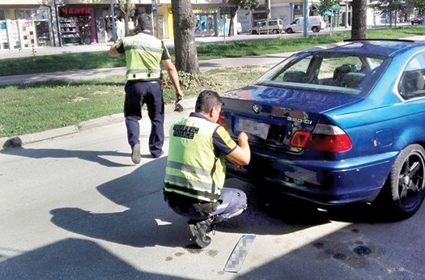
(179, 95)
(243, 137)
(242, 154)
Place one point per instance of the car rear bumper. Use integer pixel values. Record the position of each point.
(323, 182)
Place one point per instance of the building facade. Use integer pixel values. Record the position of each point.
(38, 23)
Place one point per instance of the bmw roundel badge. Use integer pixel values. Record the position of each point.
(257, 108)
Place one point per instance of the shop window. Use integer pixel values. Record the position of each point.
(4, 42)
(2, 15)
(205, 25)
(43, 33)
(76, 25)
(35, 27)
(28, 36)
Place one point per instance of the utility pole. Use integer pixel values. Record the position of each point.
(57, 24)
(269, 12)
(346, 13)
(114, 35)
(305, 13)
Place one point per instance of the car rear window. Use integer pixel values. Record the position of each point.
(324, 71)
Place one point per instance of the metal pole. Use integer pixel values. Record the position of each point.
(305, 12)
(57, 24)
(269, 12)
(346, 13)
(114, 35)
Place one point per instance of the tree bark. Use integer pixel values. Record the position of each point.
(184, 37)
(359, 27)
(233, 11)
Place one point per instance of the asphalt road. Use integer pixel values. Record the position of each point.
(75, 207)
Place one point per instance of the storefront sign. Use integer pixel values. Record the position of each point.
(205, 11)
(76, 11)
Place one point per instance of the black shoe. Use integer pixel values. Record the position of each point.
(199, 232)
(135, 153)
(157, 155)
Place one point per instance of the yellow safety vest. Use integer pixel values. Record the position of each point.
(143, 55)
(192, 168)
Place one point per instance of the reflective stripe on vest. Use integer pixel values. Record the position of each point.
(192, 168)
(143, 55)
(192, 193)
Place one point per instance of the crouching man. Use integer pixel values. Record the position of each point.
(196, 168)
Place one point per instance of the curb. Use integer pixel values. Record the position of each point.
(19, 141)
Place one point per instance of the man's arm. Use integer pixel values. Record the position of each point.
(242, 154)
(174, 76)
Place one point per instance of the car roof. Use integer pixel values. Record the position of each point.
(378, 47)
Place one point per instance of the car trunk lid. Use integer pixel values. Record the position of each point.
(272, 116)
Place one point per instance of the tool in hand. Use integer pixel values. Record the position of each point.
(178, 106)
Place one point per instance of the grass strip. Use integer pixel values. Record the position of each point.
(38, 107)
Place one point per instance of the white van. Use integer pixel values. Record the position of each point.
(316, 24)
(271, 26)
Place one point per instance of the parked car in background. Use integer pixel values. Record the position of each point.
(417, 20)
(238, 27)
(315, 24)
(338, 125)
(271, 26)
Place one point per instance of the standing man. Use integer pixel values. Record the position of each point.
(143, 56)
(196, 168)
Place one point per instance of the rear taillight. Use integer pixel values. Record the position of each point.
(325, 138)
(222, 121)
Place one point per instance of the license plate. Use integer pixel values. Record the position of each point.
(258, 129)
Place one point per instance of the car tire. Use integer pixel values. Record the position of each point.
(404, 191)
(289, 30)
(275, 31)
(315, 29)
(254, 32)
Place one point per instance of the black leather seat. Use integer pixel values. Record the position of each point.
(412, 84)
(295, 76)
(352, 79)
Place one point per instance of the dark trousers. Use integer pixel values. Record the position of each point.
(138, 93)
(232, 203)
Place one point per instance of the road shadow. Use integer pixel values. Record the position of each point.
(147, 220)
(92, 156)
(271, 213)
(71, 259)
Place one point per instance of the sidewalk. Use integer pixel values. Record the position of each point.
(104, 72)
(104, 46)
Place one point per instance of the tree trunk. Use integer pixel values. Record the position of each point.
(232, 23)
(184, 37)
(126, 15)
(359, 27)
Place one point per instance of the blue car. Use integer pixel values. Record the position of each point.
(338, 125)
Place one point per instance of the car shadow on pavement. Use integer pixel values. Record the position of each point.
(93, 156)
(272, 212)
(147, 221)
